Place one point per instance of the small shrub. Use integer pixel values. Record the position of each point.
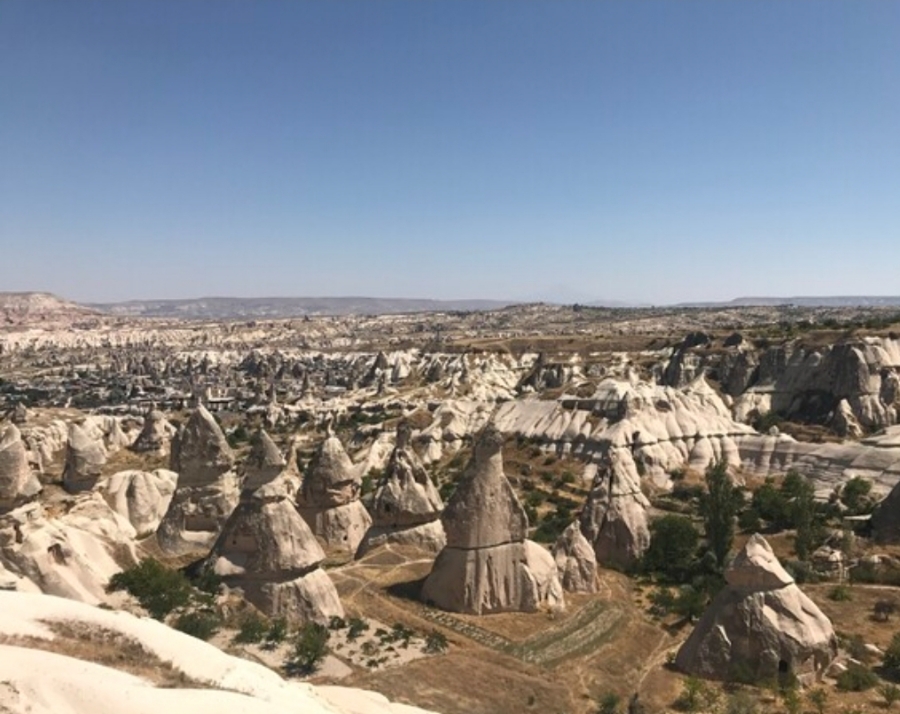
(253, 629)
(857, 678)
(158, 589)
(309, 648)
(819, 699)
(791, 700)
(692, 695)
(435, 643)
(890, 693)
(742, 703)
(199, 624)
(883, 609)
(609, 703)
(891, 659)
(278, 632)
(337, 623)
(840, 593)
(356, 626)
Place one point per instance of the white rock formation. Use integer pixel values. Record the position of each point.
(614, 519)
(761, 625)
(264, 462)
(576, 562)
(141, 497)
(329, 498)
(17, 482)
(406, 508)
(73, 555)
(268, 551)
(85, 459)
(208, 489)
(487, 565)
(156, 434)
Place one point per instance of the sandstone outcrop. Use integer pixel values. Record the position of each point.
(329, 498)
(576, 561)
(760, 626)
(141, 497)
(268, 551)
(85, 459)
(17, 482)
(155, 435)
(208, 489)
(488, 565)
(614, 519)
(406, 508)
(264, 462)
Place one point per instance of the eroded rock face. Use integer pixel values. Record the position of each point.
(268, 551)
(200, 451)
(141, 497)
(406, 508)
(329, 498)
(264, 462)
(487, 565)
(17, 482)
(576, 562)
(155, 435)
(614, 518)
(761, 625)
(886, 518)
(85, 459)
(208, 490)
(73, 555)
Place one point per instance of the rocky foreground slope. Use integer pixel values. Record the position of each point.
(39, 676)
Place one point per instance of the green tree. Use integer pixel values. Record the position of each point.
(719, 505)
(309, 648)
(803, 511)
(855, 495)
(673, 545)
(157, 588)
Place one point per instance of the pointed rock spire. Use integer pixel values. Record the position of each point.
(17, 482)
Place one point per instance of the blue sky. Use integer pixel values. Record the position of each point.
(642, 151)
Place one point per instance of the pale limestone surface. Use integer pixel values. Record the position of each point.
(576, 562)
(141, 497)
(17, 482)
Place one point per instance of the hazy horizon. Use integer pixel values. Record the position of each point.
(644, 153)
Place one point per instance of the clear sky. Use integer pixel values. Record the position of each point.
(641, 151)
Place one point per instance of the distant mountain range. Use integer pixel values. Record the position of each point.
(804, 301)
(224, 308)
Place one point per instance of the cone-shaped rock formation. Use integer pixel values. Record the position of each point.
(329, 497)
(264, 461)
(208, 489)
(17, 482)
(155, 435)
(575, 561)
(614, 519)
(85, 459)
(406, 509)
(268, 551)
(760, 626)
(487, 565)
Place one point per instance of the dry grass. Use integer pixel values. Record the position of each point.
(108, 648)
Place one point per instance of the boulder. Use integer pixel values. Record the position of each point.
(760, 626)
(85, 459)
(487, 565)
(17, 482)
(575, 560)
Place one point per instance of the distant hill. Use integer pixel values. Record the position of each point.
(36, 308)
(225, 308)
(804, 301)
